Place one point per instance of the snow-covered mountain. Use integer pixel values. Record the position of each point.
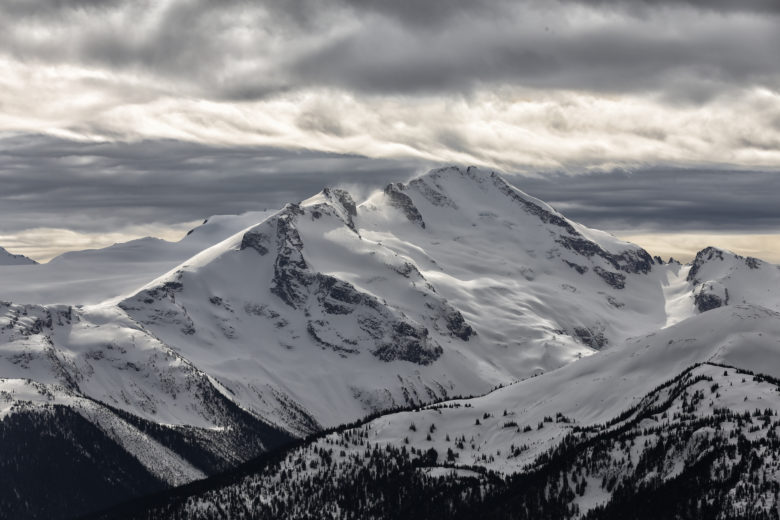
(390, 303)
(186, 358)
(7, 258)
(95, 275)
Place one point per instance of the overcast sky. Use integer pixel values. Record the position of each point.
(658, 120)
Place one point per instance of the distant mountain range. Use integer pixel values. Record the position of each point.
(7, 258)
(606, 376)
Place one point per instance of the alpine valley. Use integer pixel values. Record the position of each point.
(447, 348)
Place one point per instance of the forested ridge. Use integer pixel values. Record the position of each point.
(682, 452)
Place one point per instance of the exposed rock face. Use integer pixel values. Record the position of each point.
(343, 204)
(591, 336)
(616, 280)
(633, 261)
(710, 295)
(336, 296)
(753, 263)
(457, 325)
(256, 240)
(291, 276)
(630, 261)
(408, 343)
(388, 335)
(579, 268)
(28, 320)
(402, 201)
(342, 197)
(707, 301)
(582, 246)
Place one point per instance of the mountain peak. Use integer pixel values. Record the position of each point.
(456, 187)
(712, 254)
(473, 172)
(464, 198)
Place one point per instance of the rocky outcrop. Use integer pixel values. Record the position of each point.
(254, 239)
(753, 263)
(592, 336)
(579, 268)
(388, 335)
(706, 301)
(710, 295)
(629, 261)
(291, 275)
(336, 296)
(457, 325)
(400, 200)
(632, 261)
(343, 200)
(408, 343)
(616, 280)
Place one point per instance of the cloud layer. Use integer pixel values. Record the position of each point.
(240, 49)
(535, 84)
(60, 194)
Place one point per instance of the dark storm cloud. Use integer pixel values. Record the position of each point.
(611, 59)
(433, 12)
(100, 187)
(723, 6)
(87, 187)
(665, 200)
(235, 49)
